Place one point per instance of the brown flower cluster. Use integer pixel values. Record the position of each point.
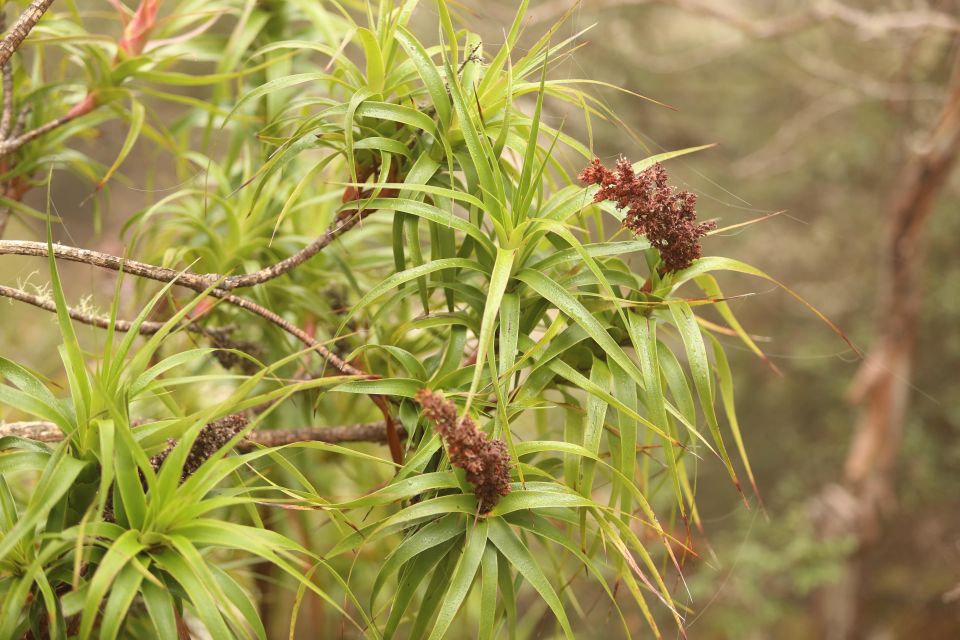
(231, 359)
(667, 217)
(212, 438)
(486, 462)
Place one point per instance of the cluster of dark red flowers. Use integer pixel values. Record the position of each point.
(667, 217)
(486, 462)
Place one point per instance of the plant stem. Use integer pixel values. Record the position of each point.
(146, 328)
(364, 432)
(22, 28)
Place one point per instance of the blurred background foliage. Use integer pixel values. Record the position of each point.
(813, 117)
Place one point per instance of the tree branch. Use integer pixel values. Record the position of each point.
(364, 432)
(22, 28)
(22, 119)
(10, 145)
(107, 261)
(198, 283)
(202, 283)
(881, 389)
(367, 432)
(18, 138)
(146, 328)
(6, 120)
(288, 264)
(881, 386)
(393, 432)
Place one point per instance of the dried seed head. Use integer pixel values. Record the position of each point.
(212, 438)
(667, 217)
(233, 360)
(486, 462)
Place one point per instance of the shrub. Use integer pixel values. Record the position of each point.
(381, 236)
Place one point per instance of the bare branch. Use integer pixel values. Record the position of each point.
(920, 19)
(364, 432)
(6, 119)
(756, 28)
(881, 390)
(774, 155)
(146, 328)
(288, 264)
(108, 261)
(12, 144)
(368, 432)
(826, 69)
(338, 363)
(195, 281)
(202, 284)
(22, 28)
(198, 283)
(22, 119)
(18, 138)
(39, 431)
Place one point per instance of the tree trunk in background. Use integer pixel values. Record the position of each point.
(881, 388)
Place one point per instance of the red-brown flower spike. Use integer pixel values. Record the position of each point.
(666, 216)
(212, 438)
(486, 462)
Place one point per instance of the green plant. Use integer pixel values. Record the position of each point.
(366, 227)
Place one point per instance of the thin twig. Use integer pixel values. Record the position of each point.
(6, 119)
(39, 431)
(107, 261)
(195, 281)
(288, 264)
(201, 284)
(338, 363)
(22, 28)
(22, 119)
(146, 328)
(368, 432)
(364, 432)
(12, 144)
(17, 139)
